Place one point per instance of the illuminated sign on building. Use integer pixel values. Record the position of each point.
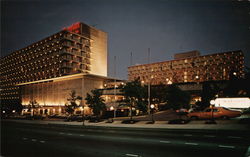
(76, 28)
(233, 102)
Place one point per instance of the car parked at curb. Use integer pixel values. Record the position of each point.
(215, 112)
(182, 111)
(71, 118)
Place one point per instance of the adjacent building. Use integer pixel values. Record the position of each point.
(191, 67)
(74, 58)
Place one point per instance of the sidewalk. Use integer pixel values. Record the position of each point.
(199, 125)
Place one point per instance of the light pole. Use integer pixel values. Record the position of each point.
(152, 106)
(115, 86)
(212, 121)
(112, 109)
(83, 118)
(149, 81)
(149, 97)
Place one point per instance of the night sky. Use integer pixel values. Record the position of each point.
(165, 26)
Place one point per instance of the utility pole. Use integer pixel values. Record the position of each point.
(115, 87)
(131, 58)
(131, 63)
(149, 81)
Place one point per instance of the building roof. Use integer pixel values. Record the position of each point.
(187, 58)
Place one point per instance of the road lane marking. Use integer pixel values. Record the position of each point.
(69, 134)
(42, 141)
(61, 133)
(34, 140)
(124, 138)
(165, 141)
(188, 135)
(24, 138)
(224, 146)
(194, 144)
(236, 137)
(82, 135)
(209, 136)
(134, 155)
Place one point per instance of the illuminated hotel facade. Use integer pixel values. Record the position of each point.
(48, 70)
(191, 67)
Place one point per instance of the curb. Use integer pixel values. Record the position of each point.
(142, 124)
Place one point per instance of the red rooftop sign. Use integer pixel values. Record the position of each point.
(76, 28)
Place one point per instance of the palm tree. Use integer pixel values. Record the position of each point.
(32, 105)
(96, 102)
(72, 102)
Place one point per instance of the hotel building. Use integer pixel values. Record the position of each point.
(46, 71)
(191, 67)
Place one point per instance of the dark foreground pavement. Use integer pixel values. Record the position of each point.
(22, 139)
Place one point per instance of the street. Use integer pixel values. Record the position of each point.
(19, 139)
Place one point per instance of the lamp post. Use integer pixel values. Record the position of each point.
(112, 109)
(152, 106)
(149, 81)
(212, 121)
(115, 86)
(83, 119)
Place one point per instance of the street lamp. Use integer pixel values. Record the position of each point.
(149, 81)
(112, 109)
(212, 102)
(152, 106)
(82, 111)
(212, 121)
(115, 85)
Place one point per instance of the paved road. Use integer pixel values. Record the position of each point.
(19, 139)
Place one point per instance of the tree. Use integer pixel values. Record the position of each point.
(96, 102)
(238, 87)
(71, 105)
(247, 82)
(209, 91)
(158, 93)
(10, 105)
(32, 105)
(176, 98)
(135, 93)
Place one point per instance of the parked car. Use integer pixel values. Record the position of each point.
(182, 111)
(53, 116)
(218, 112)
(95, 119)
(35, 117)
(78, 118)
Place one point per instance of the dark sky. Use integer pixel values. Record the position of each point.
(164, 26)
